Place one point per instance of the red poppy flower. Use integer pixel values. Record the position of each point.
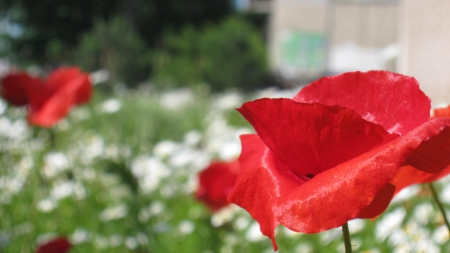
(48, 100)
(329, 155)
(215, 184)
(57, 245)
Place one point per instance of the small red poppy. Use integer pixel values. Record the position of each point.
(57, 245)
(329, 155)
(442, 112)
(215, 184)
(48, 100)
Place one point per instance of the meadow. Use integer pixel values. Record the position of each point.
(119, 175)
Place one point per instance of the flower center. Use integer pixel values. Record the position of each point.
(310, 176)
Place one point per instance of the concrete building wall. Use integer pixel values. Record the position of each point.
(291, 15)
(424, 46)
(367, 25)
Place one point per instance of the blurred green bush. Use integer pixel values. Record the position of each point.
(115, 46)
(231, 54)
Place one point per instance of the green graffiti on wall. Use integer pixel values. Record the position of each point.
(303, 51)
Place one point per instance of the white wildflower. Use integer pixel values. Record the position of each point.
(114, 213)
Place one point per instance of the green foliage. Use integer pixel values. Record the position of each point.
(114, 45)
(230, 55)
(51, 23)
(153, 17)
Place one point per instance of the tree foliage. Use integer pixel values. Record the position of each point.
(231, 54)
(53, 27)
(115, 46)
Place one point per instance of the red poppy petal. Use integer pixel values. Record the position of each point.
(58, 245)
(432, 156)
(54, 109)
(337, 195)
(312, 138)
(61, 77)
(379, 203)
(16, 88)
(71, 76)
(216, 182)
(46, 109)
(381, 97)
(408, 175)
(84, 93)
(259, 183)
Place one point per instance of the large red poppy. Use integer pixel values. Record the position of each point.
(48, 100)
(57, 245)
(216, 182)
(329, 155)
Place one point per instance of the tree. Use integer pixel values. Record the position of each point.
(53, 27)
(52, 24)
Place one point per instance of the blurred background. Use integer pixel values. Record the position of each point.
(244, 44)
(122, 172)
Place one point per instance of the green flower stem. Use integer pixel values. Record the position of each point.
(438, 202)
(348, 244)
(52, 138)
